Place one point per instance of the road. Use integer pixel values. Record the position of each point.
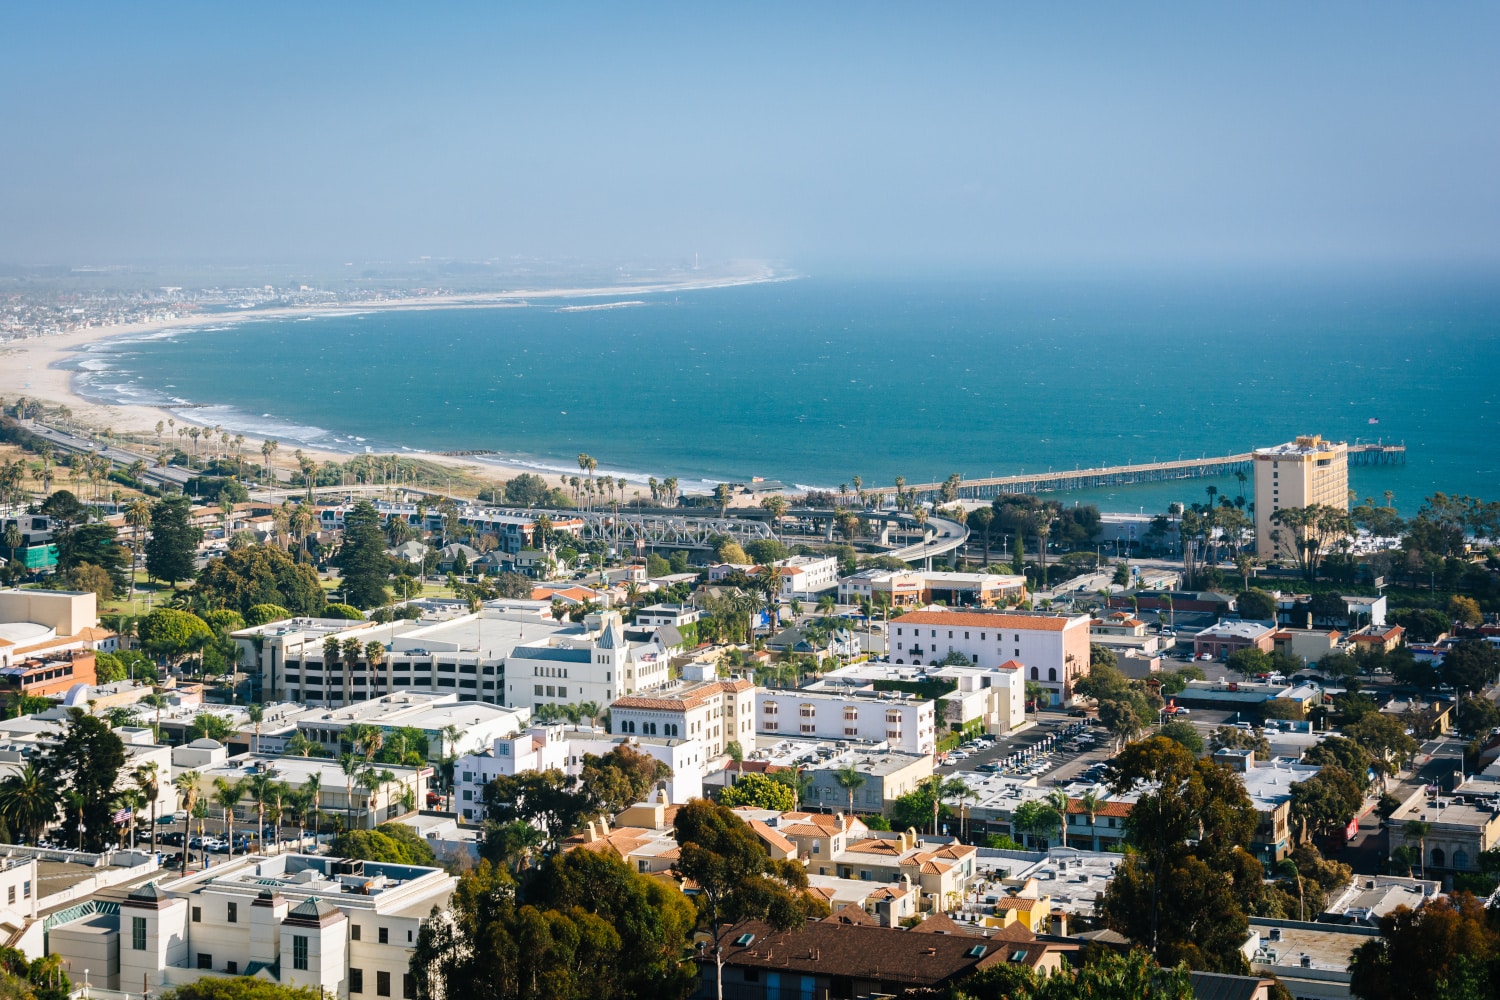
(119, 456)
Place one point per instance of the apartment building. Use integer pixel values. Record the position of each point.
(904, 722)
(700, 706)
(545, 748)
(939, 871)
(1052, 649)
(1300, 473)
(598, 665)
(344, 928)
(807, 576)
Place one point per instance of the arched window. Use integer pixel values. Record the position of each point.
(1034, 674)
(899, 660)
(1460, 859)
(1438, 857)
(1052, 673)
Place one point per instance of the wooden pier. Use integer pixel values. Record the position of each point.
(1378, 453)
(1058, 481)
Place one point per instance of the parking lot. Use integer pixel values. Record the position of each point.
(1057, 748)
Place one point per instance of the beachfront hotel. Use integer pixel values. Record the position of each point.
(1299, 473)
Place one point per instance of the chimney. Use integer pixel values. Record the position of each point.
(603, 825)
(593, 833)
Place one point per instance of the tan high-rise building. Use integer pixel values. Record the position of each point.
(1299, 473)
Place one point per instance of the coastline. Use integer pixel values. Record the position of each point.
(45, 367)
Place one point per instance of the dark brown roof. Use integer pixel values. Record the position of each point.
(850, 914)
(863, 952)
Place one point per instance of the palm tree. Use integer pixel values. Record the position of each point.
(350, 764)
(939, 789)
(262, 789)
(257, 716)
(28, 802)
(186, 784)
(850, 780)
(145, 778)
(1090, 801)
(1417, 830)
(313, 789)
(1058, 800)
(227, 795)
(375, 656)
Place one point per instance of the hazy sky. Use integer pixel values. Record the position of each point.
(848, 133)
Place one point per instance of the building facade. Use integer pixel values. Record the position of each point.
(1300, 473)
(1053, 650)
(904, 722)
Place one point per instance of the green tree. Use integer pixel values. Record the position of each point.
(851, 780)
(238, 988)
(94, 544)
(760, 792)
(173, 545)
(87, 760)
(1185, 887)
(88, 578)
(28, 802)
(654, 919)
(395, 843)
(260, 614)
(1036, 818)
(1256, 605)
(172, 634)
(362, 560)
(548, 800)
(1426, 953)
(1105, 975)
(260, 574)
(1184, 733)
(1249, 662)
(736, 878)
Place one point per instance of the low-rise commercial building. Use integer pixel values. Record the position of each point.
(1053, 649)
(915, 588)
(1224, 638)
(902, 722)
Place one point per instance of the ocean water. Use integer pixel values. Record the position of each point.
(817, 380)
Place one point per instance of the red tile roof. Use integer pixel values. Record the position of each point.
(980, 619)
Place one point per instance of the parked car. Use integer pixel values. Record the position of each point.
(990, 768)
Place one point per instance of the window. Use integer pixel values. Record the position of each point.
(383, 984)
(206, 961)
(385, 935)
(10, 894)
(233, 968)
(354, 932)
(743, 940)
(234, 913)
(356, 980)
(138, 933)
(197, 914)
(538, 690)
(299, 952)
(408, 985)
(26, 889)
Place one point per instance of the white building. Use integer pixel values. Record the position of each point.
(546, 748)
(676, 615)
(596, 665)
(993, 697)
(903, 722)
(436, 716)
(344, 928)
(1053, 649)
(701, 706)
(807, 576)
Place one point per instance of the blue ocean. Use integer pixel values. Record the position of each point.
(817, 380)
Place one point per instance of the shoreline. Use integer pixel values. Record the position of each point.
(46, 367)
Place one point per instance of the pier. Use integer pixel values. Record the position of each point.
(1057, 481)
(1378, 453)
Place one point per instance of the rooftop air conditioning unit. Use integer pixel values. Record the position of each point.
(1307, 961)
(1275, 934)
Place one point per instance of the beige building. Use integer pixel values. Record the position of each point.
(1299, 473)
(715, 712)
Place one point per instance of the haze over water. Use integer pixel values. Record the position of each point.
(816, 380)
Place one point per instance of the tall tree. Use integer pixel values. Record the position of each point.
(364, 566)
(87, 760)
(1185, 889)
(28, 802)
(736, 878)
(174, 540)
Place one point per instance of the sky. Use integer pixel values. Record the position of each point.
(834, 134)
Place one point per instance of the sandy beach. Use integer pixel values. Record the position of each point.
(33, 367)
